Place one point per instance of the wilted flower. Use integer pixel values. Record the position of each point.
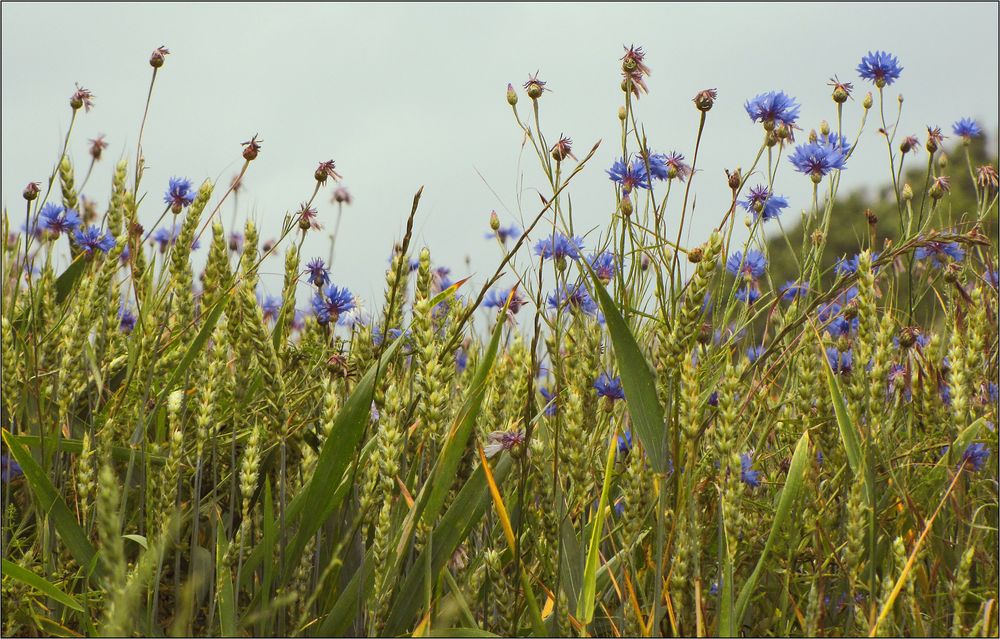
(940, 186)
(500, 440)
(705, 99)
(934, 139)
(634, 70)
(341, 195)
(308, 219)
(81, 98)
(841, 90)
(534, 87)
(987, 178)
(31, 191)
(673, 166)
(879, 68)
(156, 59)
(252, 149)
(562, 149)
(326, 170)
(97, 146)
(909, 143)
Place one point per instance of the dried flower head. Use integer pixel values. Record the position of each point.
(562, 149)
(252, 149)
(940, 186)
(534, 87)
(841, 90)
(934, 139)
(986, 178)
(341, 195)
(308, 218)
(156, 59)
(909, 143)
(327, 170)
(97, 146)
(704, 100)
(31, 191)
(81, 98)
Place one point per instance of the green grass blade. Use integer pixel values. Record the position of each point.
(585, 604)
(638, 382)
(782, 517)
(334, 459)
(29, 578)
(194, 347)
(727, 627)
(51, 504)
(848, 433)
(67, 280)
(226, 596)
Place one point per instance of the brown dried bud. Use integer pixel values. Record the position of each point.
(562, 149)
(31, 191)
(817, 237)
(705, 99)
(705, 334)
(97, 146)
(252, 149)
(908, 336)
(734, 178)
(326, 170)
(951, 273)
(157, 58)
(696, 255)
(871, 217)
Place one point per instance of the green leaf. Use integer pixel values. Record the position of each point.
(782, 516)
(139, 539)
(572, 564)
(51, 504)
(66, 281)
(334, 458)
(848, 433)
(458, 521)
(726, 605)
(585, 604)
(638, 382)
(460, 632)
(196, 345)
(226, 597)
(29, 578)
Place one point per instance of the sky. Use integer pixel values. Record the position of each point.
(409, 95)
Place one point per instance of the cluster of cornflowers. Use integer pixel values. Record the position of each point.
(747, 269)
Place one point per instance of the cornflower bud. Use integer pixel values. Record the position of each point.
(511, 95)
(841, 90)
(867, 102)
(907, 193)
(626, 205)
(824, 127)
(622, 113)
(733, 178)
(908, 336)
(494, 221)
(97, 146)
(705, 334)
(817, 237)
(943, 161)
(940, 186)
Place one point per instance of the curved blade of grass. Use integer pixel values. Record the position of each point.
(585, 603)
(848, 433)
(638, 382)
(782, 515)
(224, 579)
(726, 605)
(334, 459)
(538, 626)
(67, 280)
(51, 504)
(29, 578)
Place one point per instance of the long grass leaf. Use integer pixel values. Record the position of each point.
(29, 578)
(585, 604)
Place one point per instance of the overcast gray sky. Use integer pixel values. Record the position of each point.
(403, 95)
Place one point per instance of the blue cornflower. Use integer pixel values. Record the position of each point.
(747, 475)
(576, 297)
(846, 266)
(299, 320)
(879, 68)
(967, 128)
(937, 251)
(792, 289)
(559, 247)
(331, 302)
(168, 237)
(747, 294)
(179, 194)
(126, 319)
(975, 455)
(605, 265)
(550, 404)
(898, 380)
(319, 275)
(512, 232)
(752, 267)
(610, 387)
(773, 107)
(840, 362)
(836, 141)
(414, 264)
(713, 399)
(763, 203)
(461, 359)
(57, 219)
(658, 168)
(497, 298)
(625, 443)
(92, 238)
(9, 468)
(270, 306)
(945, 391)
(992, 392)
(754, 353)
(993, 276)
(840, 326)
(816, 159)
(629, 176)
